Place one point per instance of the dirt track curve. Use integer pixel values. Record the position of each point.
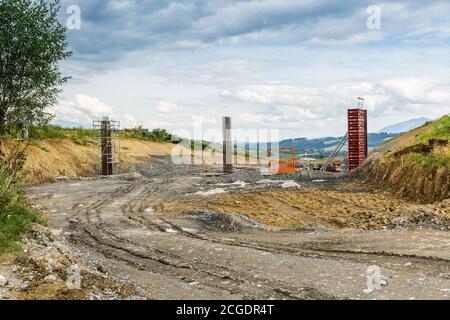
(209, 255)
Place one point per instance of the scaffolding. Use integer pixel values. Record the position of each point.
(106, 146)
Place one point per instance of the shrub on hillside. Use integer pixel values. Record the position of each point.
(157, 135)
(16, 215)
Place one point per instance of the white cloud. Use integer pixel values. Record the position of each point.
(297, 113)
(168, 107)
(418, 90)
(273, 94)
(412, 89)
(324, 106)
(158, 124)
(259, 118)
(202, 120)
(121, 4)
(93, 107)
(353, 39)
(247, 95)
(86, 109)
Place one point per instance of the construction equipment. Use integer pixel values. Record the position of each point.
(283, 166)
(335, 152)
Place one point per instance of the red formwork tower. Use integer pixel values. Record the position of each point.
(357, 137)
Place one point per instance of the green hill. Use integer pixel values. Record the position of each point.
(323, 147)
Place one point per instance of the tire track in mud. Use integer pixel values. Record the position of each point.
(324, 250)
(104, 240)
(218, 277)
(97, 233)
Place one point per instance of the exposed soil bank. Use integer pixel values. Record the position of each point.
(60, 159)
(408, 180)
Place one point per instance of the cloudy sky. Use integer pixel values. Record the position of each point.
(293, 65)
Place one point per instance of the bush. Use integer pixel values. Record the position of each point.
(157, 135)
(16, 215)
(46, 132)
(84, 137)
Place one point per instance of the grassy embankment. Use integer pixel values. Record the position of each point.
(440, 156)
(412, 165)
(56, 153)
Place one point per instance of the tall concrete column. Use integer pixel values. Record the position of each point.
(258, 156)
(227, 146)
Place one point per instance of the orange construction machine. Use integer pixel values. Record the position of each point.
(283, 166)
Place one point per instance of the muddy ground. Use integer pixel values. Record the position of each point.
(166, 232)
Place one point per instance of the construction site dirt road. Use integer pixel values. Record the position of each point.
(178, 235)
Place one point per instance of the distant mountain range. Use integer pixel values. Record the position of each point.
(405, 126)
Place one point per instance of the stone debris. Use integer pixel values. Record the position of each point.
(268, 181)
(240, 184)
(42, 269)
(3, 281)
(211, 192)
(290, 184)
